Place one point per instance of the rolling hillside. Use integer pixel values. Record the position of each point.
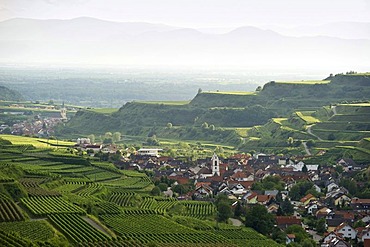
(290, 109)
(9, 95)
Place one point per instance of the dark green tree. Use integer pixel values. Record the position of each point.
(162, 186)
(224, 212)
(287, 207)
(321, 226)
(156, 191)
(239, 210)
(259, 219)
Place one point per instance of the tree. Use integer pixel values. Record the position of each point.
(321, 226)
(224, 212)
(180, 189)
(205, 125)
(290, 141)
(116, 136)
(259, 219)
(156, 191)
(331, 137)
(287, 207)
(162, 186)
(259, 88)
(169, 125)
(278, 235)
(92, 138)
(108, 135)
(298, 231)
(238, 211)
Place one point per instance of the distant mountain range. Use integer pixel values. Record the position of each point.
(92, 41)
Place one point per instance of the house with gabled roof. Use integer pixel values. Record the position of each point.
(290, 238)
(346, 231)
(285, 221)
(360, 205)
(307, 199)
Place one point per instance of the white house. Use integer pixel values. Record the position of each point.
(311, 208)
(346, 230)
(330, 187)
(149, 151)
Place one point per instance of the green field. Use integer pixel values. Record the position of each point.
(307, 118)
(230, 93)
(164, 102)
(36, 142)
(304, 82)
(103, 110)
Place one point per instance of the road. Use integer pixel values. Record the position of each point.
(315, 236)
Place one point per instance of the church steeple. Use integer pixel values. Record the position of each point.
(215, 165)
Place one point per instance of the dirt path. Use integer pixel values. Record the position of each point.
(306, 148)
(96, 225)
(236, 222)
(334, 108)
(309, 131)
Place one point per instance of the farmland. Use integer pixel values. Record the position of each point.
(50, 197)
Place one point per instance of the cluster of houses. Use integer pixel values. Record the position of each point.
(236, 175)
(40, 127)
(35, 125)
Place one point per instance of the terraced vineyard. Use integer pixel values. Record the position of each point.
(50, 205)
(9, 211)
(32, 230)
(12, 240)
(77, 229)
(198, 210)
(55, 198)
(147, 228)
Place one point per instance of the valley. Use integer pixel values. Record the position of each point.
(182, 173)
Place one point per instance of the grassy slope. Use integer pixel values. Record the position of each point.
(37, 142)
(297, 105)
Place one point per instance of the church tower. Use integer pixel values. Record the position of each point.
(215, 165)
(63, 112)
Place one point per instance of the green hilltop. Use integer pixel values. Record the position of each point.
(285, 108)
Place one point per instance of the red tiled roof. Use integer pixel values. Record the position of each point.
(246, 184)
(254, 194)
(360, 201)
(288, 220)
(307, 197)
(263, 198)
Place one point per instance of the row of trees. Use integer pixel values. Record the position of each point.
(107, 138)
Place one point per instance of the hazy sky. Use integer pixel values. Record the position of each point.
(195, 13)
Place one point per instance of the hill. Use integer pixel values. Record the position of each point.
(333, 132)
(224, 109)
(7, 94)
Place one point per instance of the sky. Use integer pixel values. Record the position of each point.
(195, 13)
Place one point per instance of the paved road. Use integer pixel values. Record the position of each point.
(315, 236)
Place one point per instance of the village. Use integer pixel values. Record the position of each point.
(319, 198)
